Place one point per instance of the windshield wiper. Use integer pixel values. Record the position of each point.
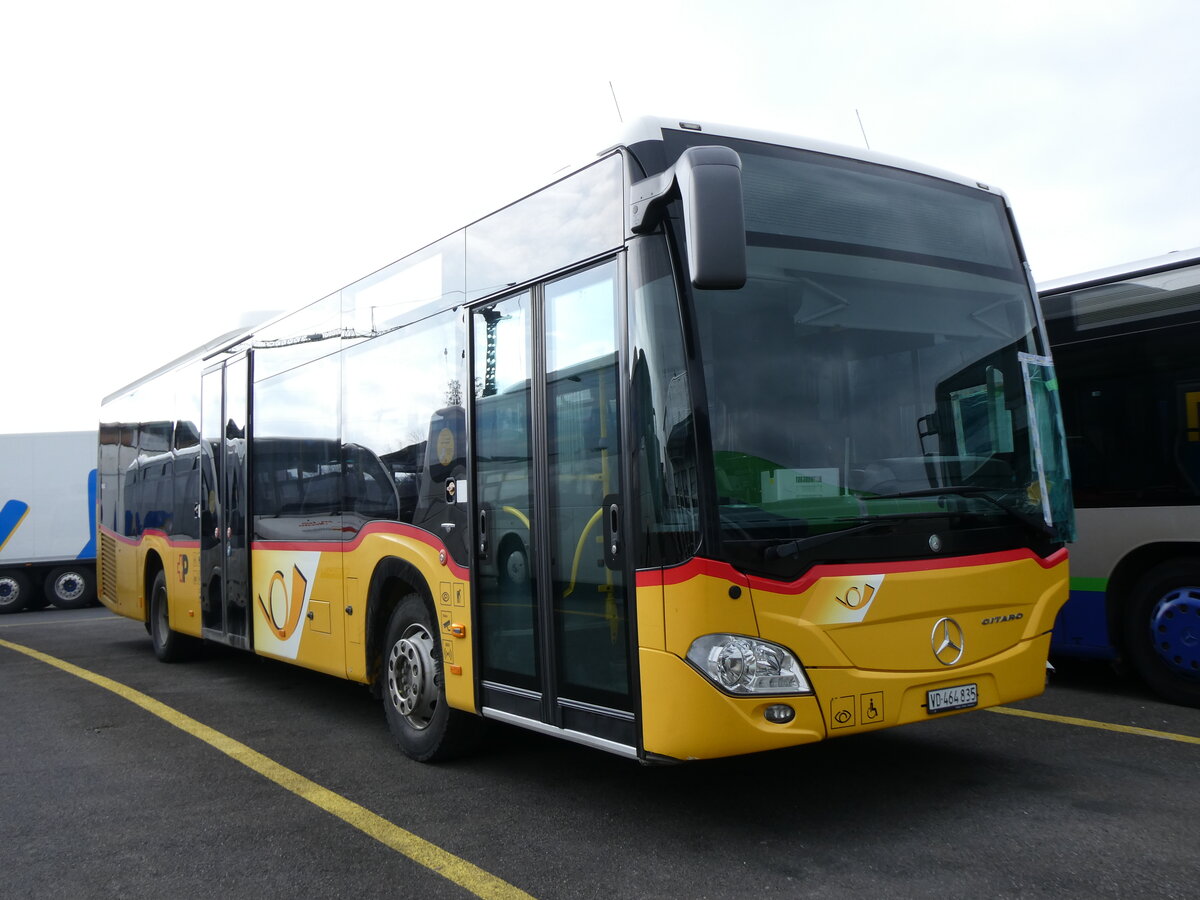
(791, 548)
(964, 490)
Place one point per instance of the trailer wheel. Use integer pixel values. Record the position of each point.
(1162, 630)
(414, 693)
(14, 591)
(169, 646)
(71, 587)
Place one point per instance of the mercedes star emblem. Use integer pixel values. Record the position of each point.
(947, 641)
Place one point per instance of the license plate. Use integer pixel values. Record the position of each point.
(962, 696)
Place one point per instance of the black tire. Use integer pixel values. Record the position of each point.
(14, 591)
(169, 646)
(414, 693)
(71, 587)
(1161, 630)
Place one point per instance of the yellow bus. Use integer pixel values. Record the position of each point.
(722, 442)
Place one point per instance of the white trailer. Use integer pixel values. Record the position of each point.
(47, 520)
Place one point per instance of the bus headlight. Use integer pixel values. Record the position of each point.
(746, 665)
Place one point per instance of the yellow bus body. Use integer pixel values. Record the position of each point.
(864, 635)
(309, 601)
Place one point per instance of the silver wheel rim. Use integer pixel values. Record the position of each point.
(412, 682)
(68, 586)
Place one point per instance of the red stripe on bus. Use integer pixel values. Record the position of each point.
(409, 531)
(699, 566)
(396, 528)
(149, 532)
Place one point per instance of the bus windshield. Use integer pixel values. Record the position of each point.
(878, 388)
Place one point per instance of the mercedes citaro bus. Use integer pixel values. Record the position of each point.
(723, 442)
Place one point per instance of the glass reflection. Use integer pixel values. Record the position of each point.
(297, 455)
(584, 467)
(507, 583)
(405, 421)
(577, 218)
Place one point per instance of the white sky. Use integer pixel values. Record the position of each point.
(169, 168)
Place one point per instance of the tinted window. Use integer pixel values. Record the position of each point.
(664, 441)
(297, 468)
(1130, 383)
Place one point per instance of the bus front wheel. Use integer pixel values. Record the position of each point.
(1162, 629)
(414, 694)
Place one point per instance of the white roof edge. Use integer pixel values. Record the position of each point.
(227, 339)
(650, 128)
(1112, 273)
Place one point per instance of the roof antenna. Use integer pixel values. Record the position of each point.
(620, 118)
(860, 128)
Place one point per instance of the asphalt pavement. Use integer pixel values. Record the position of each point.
(101, 798)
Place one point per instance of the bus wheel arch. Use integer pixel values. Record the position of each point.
(405, 662)
(1160, 627)
(1124, 579)
(169, 645)
(392, 581)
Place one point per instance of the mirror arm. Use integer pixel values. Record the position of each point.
(648, 200)
(708, 183)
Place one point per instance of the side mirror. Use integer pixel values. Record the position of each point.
(708, 183)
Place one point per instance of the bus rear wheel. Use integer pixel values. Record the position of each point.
(414, 693)
(1162, 629)
(169, 646)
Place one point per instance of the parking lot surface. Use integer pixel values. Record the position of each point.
(264, 780)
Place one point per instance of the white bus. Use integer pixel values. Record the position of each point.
(1127, 348)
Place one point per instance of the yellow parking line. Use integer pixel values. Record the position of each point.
(64, 622)
(419, 850)
(1089, 723)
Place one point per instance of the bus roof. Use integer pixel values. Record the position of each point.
(1174, 260)
(650, 128)
(647, 128)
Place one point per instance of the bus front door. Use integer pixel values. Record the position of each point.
(550, 581)
(224, 551)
